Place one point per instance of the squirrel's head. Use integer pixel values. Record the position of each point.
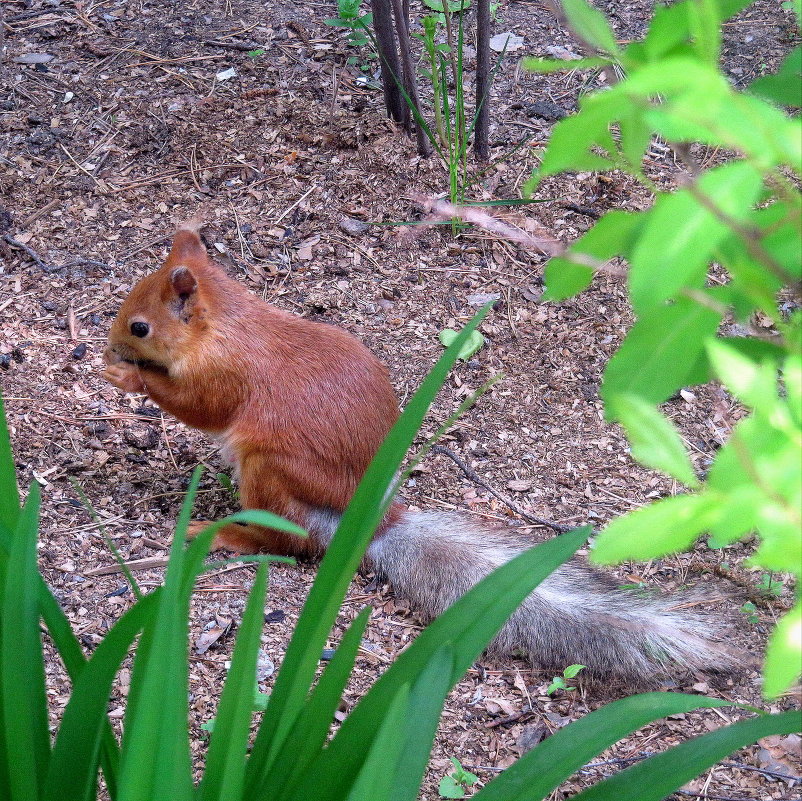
(161, 319)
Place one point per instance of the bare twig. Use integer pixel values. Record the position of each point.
(545, 243)
(475, 477)
(32, 254)
(51, 268)
(133, 564)
(244, 46)
(692, 794)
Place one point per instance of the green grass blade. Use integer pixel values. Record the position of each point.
(467, 626)
(426, 699)
(74, 762)
(377, 776)
(308, 736)
(543, 768)
(225, 763)
(6, 539)
(9, 494)
(23, 716)
(87, 504)
(357, 525)
(56, 621)
(72, 655)
(656, 777)
(155, 762)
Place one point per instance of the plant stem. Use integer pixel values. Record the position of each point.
(410, 85)
(482, 126)
(388, 55)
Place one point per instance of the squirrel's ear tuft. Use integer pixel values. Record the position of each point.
(187, 249)
(183, 281)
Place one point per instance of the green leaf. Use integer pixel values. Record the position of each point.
(454, 6)
(377, 777)
(635, 137)
(580, 142)
(611, 236)
(663, 352)
(545, 767)
(738, 517)
(310, 732)
(680, 233)
(426, 698)
(448, 788)
(785, 87)
(783, 654)
(705, 28)
(591, 26)
(714, 114)
(73, 766)
(655, 440)
(752, 382)
(23, 716)
(9, 494)
(761, 462)
(572, 670)
(155, 762)
(663, 527)
(668, 31)
(656, 777)
(471, 346)
(69, 650)
(224, 776)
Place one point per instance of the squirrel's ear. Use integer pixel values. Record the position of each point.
(183, 281)
(187, 248)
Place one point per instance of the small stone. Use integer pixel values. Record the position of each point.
(351, 226)
(34, 58)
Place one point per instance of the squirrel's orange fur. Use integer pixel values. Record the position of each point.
(300, 408)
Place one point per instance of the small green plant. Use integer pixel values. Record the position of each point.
(260, 700)
(471, 346)
(445, 65)
(451, 6)
(770, 586)
(750, 612)
(560, 683)
(225, 482)
(456, 783)
(254, 54)
(349, 17)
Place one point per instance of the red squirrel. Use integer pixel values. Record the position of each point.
(300, 408)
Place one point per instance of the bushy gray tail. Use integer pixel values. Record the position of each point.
(576, 616)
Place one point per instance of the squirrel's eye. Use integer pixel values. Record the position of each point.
(140, 329)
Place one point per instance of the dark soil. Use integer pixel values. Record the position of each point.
(130, 128)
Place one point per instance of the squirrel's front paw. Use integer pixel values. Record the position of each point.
(124, 376)
(195, 527)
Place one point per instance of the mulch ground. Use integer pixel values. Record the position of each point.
(124, 124)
